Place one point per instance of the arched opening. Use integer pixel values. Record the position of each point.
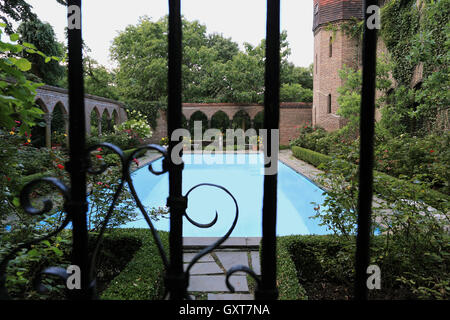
(58, 127)
(95, 115)
(258, 121)
(198, 116)
(39, 130)
(114, 119)
(106, 123)
(241, 120)
(184, 122)
(220, 121)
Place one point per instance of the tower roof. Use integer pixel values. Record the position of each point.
(326, 11)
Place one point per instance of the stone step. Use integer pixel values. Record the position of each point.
(233, 242)
(230, 296)
(216, 284)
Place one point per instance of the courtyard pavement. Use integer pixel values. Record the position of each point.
(208, 275)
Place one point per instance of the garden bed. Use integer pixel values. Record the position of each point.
(322, 268)
(128, 267)
(431, 197)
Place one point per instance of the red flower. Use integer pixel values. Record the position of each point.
(99, 156)
(60, 166)
(8, 178)
(99, 183)
(99, 149)
(107, 185)
(136, 161)
(18, 122)
(431, 151)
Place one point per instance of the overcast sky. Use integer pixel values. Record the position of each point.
(242, 20)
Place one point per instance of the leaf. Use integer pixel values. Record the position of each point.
(23, 64)
(14, 37)
(48, 59)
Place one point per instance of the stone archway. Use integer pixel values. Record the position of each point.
(221, 121)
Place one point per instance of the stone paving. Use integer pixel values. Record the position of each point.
(207, 276)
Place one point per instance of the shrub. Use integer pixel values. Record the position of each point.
(312, 157)
(136, 126)
(416, 243)
(142, 278)
(287, 279)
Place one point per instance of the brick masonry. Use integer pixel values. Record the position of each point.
(332, 50)
(292, 116)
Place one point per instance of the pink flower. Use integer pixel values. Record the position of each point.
(136, 161)
(99, 149)
(99, 183)
(99, 156)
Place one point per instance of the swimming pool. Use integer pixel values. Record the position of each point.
(241, 175)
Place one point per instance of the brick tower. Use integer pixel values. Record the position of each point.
(332, 50)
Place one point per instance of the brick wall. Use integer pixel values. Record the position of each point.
(292, 116)
(344, 51)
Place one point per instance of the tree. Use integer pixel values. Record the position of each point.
(349, 99)
(16, 97)
(15, 10)
(44, 38)
(98, 80)
(213, 67)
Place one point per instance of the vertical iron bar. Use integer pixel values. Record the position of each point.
(175, 281)
(367, 129)
(77, 207)
(268, 290)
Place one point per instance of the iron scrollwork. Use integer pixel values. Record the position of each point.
(25, 200)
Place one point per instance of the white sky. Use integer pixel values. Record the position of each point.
(242, 20)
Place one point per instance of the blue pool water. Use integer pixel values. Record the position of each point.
(244, 180)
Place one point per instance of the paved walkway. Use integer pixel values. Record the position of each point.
(207, 276)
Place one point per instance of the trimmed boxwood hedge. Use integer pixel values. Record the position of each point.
(312, 157)
(143, 276)
(289, 287)
(431, 197)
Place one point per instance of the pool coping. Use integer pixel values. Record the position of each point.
(232, 242)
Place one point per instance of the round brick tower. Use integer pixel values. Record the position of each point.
(332, 50)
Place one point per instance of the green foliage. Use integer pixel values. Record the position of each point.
(349, 98)
(17, 96)
(295, 92)
(418, 36)
(416, 235)
(213, 69)
(98, 80)
(14, 10)
(287, 279)
(418, 159)
(312, 157)
(339, 210)
(43, 37)
(136, 126)
(142, 278)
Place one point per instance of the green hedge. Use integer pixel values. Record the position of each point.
(142, 278)
(287, 279)
(429, 196)
(312, 157)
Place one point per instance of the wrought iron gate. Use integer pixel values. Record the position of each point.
(176, 279)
